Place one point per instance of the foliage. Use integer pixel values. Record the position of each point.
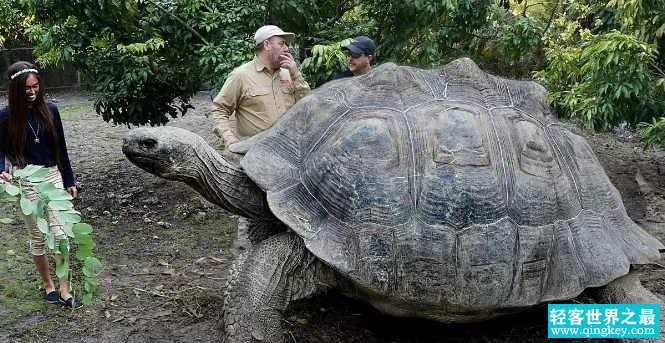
(654, 132)
(113, 42)
(13, 22)
(601, 81)
(60, 202)
(604, 67)
(145, 57)
(325, 60)
(510, 44)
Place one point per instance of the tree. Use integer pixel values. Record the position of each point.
(602, 63)
(13, 23)
(606, 66)
(147, 57)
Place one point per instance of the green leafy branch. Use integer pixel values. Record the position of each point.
(325, 60)
(59, 201)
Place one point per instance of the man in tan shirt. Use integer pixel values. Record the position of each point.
(259, 91)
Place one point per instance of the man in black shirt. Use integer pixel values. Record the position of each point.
(361, 54)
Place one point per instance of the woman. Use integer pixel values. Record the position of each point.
(31, 133)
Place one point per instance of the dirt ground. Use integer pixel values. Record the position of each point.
(166, 253)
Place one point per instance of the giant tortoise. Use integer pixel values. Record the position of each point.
(445, 194)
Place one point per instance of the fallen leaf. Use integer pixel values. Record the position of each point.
(113, 297)
(11, 252)
(162, 313)
(131, 320)
(163, 263)
(107, 314)
(118, 319)
(171, 272)
(220, 260)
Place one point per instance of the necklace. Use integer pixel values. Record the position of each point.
(35, 133)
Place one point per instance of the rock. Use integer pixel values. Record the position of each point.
(164, 225)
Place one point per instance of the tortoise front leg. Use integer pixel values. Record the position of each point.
(263, 282)
(628, 290)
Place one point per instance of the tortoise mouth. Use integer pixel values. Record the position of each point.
(148, 163)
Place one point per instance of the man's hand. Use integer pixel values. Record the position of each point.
(287, 62)
(229, 141)
(72, 191)
(6, 176)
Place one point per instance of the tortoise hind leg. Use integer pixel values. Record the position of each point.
(264, 281)
(628, 290)
(259, 230)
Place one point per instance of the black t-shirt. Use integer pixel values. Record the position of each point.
(346, 73)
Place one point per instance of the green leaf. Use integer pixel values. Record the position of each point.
(82, 254)
(38, 176)
(27, 207)
(62, 268)
(42, 225)
(50, 240)
(87, 299)
(88, 271)
(29, 170)
(60, 205)
(63, 247)
(88, 246)
(92, 262)
(58, 194)
(6, 220)
(90, 285)
(69, 217)
(45, 187)
(67, 228)
(40, 208)
(82, 228)
(82, 239)
(12, 190)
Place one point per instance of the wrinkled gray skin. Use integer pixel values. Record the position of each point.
(449, 195)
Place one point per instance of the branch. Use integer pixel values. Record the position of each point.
(341, 12)
(191, 29)
(526, 5)
(658, 69)
(549, 22)
(538, 3)
(408, 55)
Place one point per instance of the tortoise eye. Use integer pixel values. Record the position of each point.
(148, 143)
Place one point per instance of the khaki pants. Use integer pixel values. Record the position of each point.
(37, 238)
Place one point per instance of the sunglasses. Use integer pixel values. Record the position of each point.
(354, 55)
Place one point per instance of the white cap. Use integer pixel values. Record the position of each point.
(266, 32)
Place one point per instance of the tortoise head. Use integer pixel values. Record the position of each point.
(177, 154)
(168, 152)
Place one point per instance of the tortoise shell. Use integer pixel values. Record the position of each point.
(449, 187)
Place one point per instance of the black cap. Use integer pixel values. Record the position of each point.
(361, 45)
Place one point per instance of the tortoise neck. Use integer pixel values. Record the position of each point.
(224, 183)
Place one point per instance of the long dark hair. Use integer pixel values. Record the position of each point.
(17, 122)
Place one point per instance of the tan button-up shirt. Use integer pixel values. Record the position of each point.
(258, 97)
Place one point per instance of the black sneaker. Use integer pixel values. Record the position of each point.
(52, 297)
(69, 303)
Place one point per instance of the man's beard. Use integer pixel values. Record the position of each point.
(274, 57)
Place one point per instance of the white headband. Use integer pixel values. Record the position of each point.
(23, 71)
